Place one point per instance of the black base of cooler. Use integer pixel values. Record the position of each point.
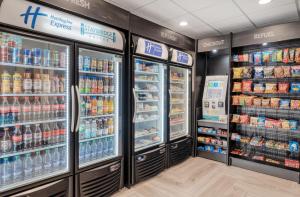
(266, 169)
(212, 156)
(179, 151)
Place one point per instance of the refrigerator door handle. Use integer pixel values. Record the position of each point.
(78, 105)
(170, 103)
(135, 100)
(73, 109)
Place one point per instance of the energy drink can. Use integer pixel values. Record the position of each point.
(27, 59)
(94, 65)
(46, 58)
(4, 53)
(86, 63)
(55, 58)
(62, 59)
(15, 55)
(80, 62)
(37, 56)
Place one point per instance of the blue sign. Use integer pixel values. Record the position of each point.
(182, 57)
(34, 15)
(153, 49)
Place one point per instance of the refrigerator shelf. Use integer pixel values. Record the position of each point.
(96, 73)
(96, 138)
(145, 73)
(98, 116)
(177, 92)
(176, 113)
(147, 111)
(178, 134)
(222, 146)
(176, 123)
(145, 134)
(35, 94)
(108, 94)
(103, 158)
(6, 64)
(34, 149)
(147, 101)
(33, 122)
(141, 121)
(177, 82)
(177, 102)
(146, 81)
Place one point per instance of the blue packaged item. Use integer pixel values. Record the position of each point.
(201, 148)
(257, 58)
(293, 124)
(235, 58)
(261, 121)
(294, 146)
(295, 87)
(259, 72)
(284, 103)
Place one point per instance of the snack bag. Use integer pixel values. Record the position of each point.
(278, 72)
(295, 104)
(259, 72)
(251, 58)
(241, 58)
(237, 87)
(276, 124)
(273, 56)
(236, 100)
(242, 100)
(246, 86)
(271, 88)
(286, 71)
(275, 102)
(269, 123)
(249, 100)
(291, 55)
(266, 56)
(257, 58)
(246, 57)
(257, 102)
(237, 72)
(235, 58)
(293, 124)
(295, 70)
(269, 72)
(265, 102)
(259, 88)
(283, 87)
(247, 72)
(297, 55)
(295, 87)
(279, 55)
(254, 121)
(261, 121)
(285, 56)
(284, 103)
(244, 119)
(235, 118)
(285, 124)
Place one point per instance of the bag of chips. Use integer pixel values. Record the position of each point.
(259, 72)
(273, 56)
(284, 103)
(247, 72)
(236, 100)
(237, 72)
(291, 55)
(275, 102)
(245, 57)
(269, 72)
(285, 56)
(261, 121)
(295, 70)
(257, 58)
(297, 55)
(254, 121)
(257, 102)
(235, 58)
(244, 119)
(237, 87)
(285, 124)
(241, 58)
(265, 102)
(293, 124)
(235, 118)
(242, 100)
(251, 58)
(276, 124)
(247, 86)
(249, 100)
(266, 56)
(279, 55)
(269, 123)
(295, 104)
(278, 72)
(258, 88)
(286, 71)
(283, 87)
(271, 88)
(295, 87)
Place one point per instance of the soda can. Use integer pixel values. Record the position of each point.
(80, 62)
(15, 55)
(94, 65)
(62, 59)
(100, 66)
(46, 58)
(55, 58)
(86, 63)
(4, 53)
(37, 56)
(27, 59)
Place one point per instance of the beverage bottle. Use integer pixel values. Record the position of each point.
(105, 108)
(81, 151)
(6, 171)
(105, 125)
(105, 147)
(26, 110)
(62, 106)
(16, 110)
(88, 106)
(5, 82)
(105, 85)
(37, 109)
(62, 132)
(100, 106)
(27, 83)
(47, 161)
(87, 85)
(5, 142)
(110, 105)
(100, 85)
(94, 129)
(94, 84)
(110, 126)
(55, 133)
(38, 163)
(46, 108)
(46, 135)
(94, 106)
(17, 83)
(80, 62)
(5, 111)
(110, 146)
(62, 59)
(110, 66)
(105, 66)
(37, 83)
(87, 133)
(54, 84)
(55, 158)
(37, 136)
(27, 166)
(94, 149)
(17, 141)
(54, 108)
(99, 148)
(83, 106)
(46, 83)
(27, 138)
(82, 84)
(98, 131)
(62, 156)
(17, 168)
(111, 85)
(82, 130)
(88, 150)
(102, 126)
(61, 84)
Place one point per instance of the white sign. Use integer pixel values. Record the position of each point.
(181, 57)
(43, 19)
(152, 49)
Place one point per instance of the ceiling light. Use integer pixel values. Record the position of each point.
(215, 51)
(262, 2)
(265, 44)
(183, 23)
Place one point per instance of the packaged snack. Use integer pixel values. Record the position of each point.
(258, 88)
(247, 72)
(259, 72)
(235, 137)
(258, 157)
(275, 102)
(244, 119)
(291, 55)
(237, 72)
(245, 139)
(257, 141)
(235, 100)
(278, 72)
(241, 58)
(261, 121)
(257, 102)
(286, 71)
(271, 88)
(242, 100)
(235, 58)
(279, 55)
(276, 124)
(284, 103)
(269, 123)
(283, 87)
(265, 102)
(251, 58)
(272, 161)
(269, 72)
(235, 118)
(257, 58)
(295, 70)
(285, 124)
(245, 57)
(249, 100)
(254, 121)
(297, 55)
(295, 87)
(237, 87)
(273, 56)
(295, 104)
(285, 58)
(294, 146)
(247, 86)
(266, 56)
(292, 163)
(270, 143)
(293, 124)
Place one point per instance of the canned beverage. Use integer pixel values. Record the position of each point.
(55, 58)
(62, 59)
(15, 55)
(86, 63)
(110, 67)
(105, 66)
(11, 43)
(99, 65)
(27, 59)
(80, 62)
(37, 56)
(46, 58)
(4, 54)
(94, 65)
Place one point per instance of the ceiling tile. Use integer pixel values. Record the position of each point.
(233, 24)
(253, 6)
(130, 4)
(192, 5)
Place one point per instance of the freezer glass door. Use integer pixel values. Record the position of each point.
(180, 96)
(149, 96)
(34, 118)
(99, 81)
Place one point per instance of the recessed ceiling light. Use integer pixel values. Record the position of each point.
(265, 44)
(183, 23)
(262, 2)
(215, 51)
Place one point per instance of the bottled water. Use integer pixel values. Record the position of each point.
(94, 149)
(6, 171)
(81, 151)
(27, 166)
(105, 147)
(47, 161)
(110, 146)
(94, 128)
(38, 163)
(99, 148)
(55, 158)
(88, 150)
(17, 168)
(62, 156)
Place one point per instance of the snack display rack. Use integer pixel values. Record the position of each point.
(265, 108)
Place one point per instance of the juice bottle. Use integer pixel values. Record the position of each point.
(94, 106)
(17, 83)
(100, 106)
(94, 85)
(111, 105)
(5, 82)
(27, 82)
(61, 84)
(37, 83)
(100, 85)
(46, 83)
(110, 126)
(105, 109)
(87, 85)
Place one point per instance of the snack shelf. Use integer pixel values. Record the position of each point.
(272, 95)
(286, 79)
(96, 138)
(33, 122)
(211, 134)
(212, 124)
(6, 64)
(237, 64)
(96, 73)
(218, 145)
(274, 131)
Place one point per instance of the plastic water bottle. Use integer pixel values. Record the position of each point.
(110, 146)
(17, 168)
(94, 128)
(99, 148)
(105, 147)
(87, 133)
(55, 158)
(6, 171)
(38, 163)
(28, 166)
(47, 161)
(82, 130)
(81, 151)
(88, 150)
(62, 157)
(94, 149)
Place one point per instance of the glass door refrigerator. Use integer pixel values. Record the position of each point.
(35, 99)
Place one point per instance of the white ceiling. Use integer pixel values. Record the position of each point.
(212, 17)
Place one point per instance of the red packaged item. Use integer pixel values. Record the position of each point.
(247, 86)
(283, 87)
(297, 55)
(236, 100)
(237, 87)
(249, 100)
(292, 163)
(286, 71)
(278, 72)
(244, 119)
(257, 102)
(295, 104)
(285, 56)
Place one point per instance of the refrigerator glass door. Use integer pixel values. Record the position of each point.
(34, 119)
(149, 112)
(180, 107)
(99, 82)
